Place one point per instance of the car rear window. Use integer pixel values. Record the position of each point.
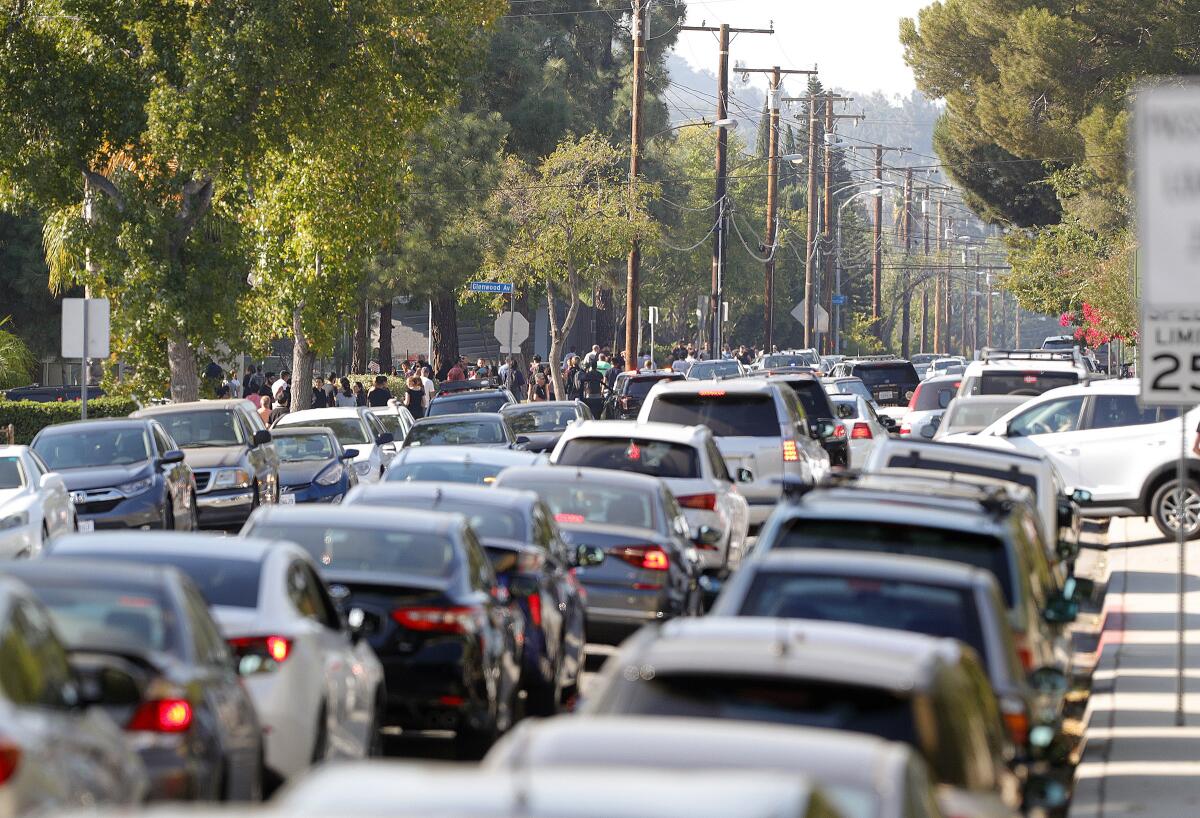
(933, 396)
(1009, 382)
(222, 581)
(464, 404)
(1011, 475)
(476, 474)
(346, 548)
(350, 432)
(900, 374)
(123, 617)
(813, 398)
(656, 458)
(572, 502)
(727, 414)
(916, 607)
(980, 550)
(456, 433)
(640, 387)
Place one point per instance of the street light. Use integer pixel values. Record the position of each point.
(875, 192)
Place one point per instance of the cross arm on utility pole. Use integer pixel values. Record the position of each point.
(731, 30)
(813, 70)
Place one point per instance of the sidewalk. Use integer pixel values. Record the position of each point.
(1135, 761)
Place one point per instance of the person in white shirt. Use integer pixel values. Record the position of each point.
(280, 385)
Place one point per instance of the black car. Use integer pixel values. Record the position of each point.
(313, 466)
(630, 389)
(475, 429)
(531, 560)
(544, 422)
(186, 712)
(891, 380)
(51, 394)
(122, 473)
(817, 408)
(461, 401)
(230, 452)
(422, 590)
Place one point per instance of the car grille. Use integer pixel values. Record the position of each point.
(202, 478)
(296, 488)
(98, 507)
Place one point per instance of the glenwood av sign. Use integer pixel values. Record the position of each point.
(1166, 153)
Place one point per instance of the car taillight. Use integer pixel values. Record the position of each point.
(839, 431)
(10, 760)
(535, 609)
(270, 651)
(162, 716)
(905, 429)
(704, 502)
(916, 394)
(861, 431)
(1016, 720)
(1024, 652)
(649, 557)
(791, 453)
(461, 619)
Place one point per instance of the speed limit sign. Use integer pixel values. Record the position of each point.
(1166, 151)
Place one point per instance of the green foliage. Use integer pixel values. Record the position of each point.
(858, 335)
(30, 417)
(16, 361)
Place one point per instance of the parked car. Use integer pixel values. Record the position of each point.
(469, 402)
(649, 572)
(818, 410)
(928, 403)
(630, 389)
(971, 414)
(1027, 372)
(475, 465)
(51, 394)
(890, 379)
(532, 563)
(686, 458)
(714, 370)
(35, 506)
(230, 452)
(122, 473)
(175, 688)
(862, 428)
(316, 686)
(544, 422)
(420, 591)
(313, 466)
(355, 427)
(759, 427)
(57, 751)
(395, 418)
(482, 429)
(805, 358)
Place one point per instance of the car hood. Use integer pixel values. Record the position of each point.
(296, 473)
(98, 477)
(12, 497)
(211, 457)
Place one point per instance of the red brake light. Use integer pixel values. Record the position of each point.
(861, 431)
(791, 453)
(568, 518)
(162, 716)
(839, 430)
(1024, 652)
(712, 393)
(905, 429)
(10, 759)
(438, 620)
(535, 609)
(274, 648)
(649, 557)
(912, 403)
(704, 502)
(1016, 721)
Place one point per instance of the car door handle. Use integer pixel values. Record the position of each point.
(1067, 452)
(1156, 443)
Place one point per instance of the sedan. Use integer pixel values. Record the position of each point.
(861, 427)
(650, 571)
(471, 465)
(484, 429)
(317, 687)
(313, 466)
(355, 428)
(971, 414)
(544, 423)
(714, 370)
(187, 713)
(469, 402)
(35, 505)
(420, 589)
(394, 417)
(121, 473)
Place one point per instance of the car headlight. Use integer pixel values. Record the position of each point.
(231, 479)
(136, 487)
(333, 475)
(14, 521)
(363, 468)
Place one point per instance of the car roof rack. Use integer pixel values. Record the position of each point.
(996, 354)
(858, 358)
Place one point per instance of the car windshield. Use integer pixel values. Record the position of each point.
(1013, 382)
(710, 369)
(654, 457)
(534, 419)
(300, 448)
(12, 473)
(463, 404)
(130, 617)
(640, 387)
(348, 431)
(727, 414)
(470, 473)
(575, 502)
(917, 607)
(970, 548)
(489, 522)
(356, 548)
(70, 449)
(974, 415)
(195, 430)
(898, 374)
(776, 361)
(456, 433)
(221, 581)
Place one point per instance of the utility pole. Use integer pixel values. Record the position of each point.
(975, 333)
(987, 279)
(632, 282)
(828, 210)
(1016, 323)
(776, 78)
(925, 273)
(939, 306)
(906, 281)
(962, 332)
(720, 234)
(877, 237)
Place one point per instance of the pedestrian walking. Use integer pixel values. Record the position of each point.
(540, 389)
(414, 397)
(379, 394)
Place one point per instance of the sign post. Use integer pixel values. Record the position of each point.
(652, 319)
(502, 288)
(85, 334)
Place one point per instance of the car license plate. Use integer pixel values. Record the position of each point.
(287, 499)
(87, 525)
(887, 395)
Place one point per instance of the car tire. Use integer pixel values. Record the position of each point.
(375, 737)
(193, 513)
(542, 697)
(321, 739)
(471, 744)
(168, 515)
(1163, 507)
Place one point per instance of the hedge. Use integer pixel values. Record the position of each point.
(29, 417)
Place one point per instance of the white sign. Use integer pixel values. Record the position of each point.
(1166, 149)
(97, 328)
(652, 313)
(799, 311)
(519, 327)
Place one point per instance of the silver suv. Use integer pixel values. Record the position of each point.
(759, 426)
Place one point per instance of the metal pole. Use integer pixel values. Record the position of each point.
(512, 315)
(1180, 540)
(877, 249)
(811, 228)
(837, 286)
(429, 348)
(85, 363)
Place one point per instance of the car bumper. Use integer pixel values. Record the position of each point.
(436, 688)
(613, 613)
(839, 452)
(175, 774)
(16, 541)
(313, 493)
(287, 703)
(225, 507)
(142, 511)
(761, 508)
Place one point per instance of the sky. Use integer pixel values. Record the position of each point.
(854, 43)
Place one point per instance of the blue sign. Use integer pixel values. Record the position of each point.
(491, 287)
(839, 300)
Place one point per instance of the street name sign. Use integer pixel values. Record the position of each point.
(504, 287)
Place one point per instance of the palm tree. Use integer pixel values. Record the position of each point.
(16, 361)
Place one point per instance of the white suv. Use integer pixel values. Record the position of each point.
(1100, 439)
(1022, 371)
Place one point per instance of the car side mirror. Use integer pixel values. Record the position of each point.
(105, 684)
(355, 620)
(171, 457)
(587, 556)
(826, 429)
(522, 440)
(1065, 512)
(261, 437)
(888, 422)
(1010, 430)
(50, 480)
(1061, 609)
(349, 454)
(707, 535)
(1081, 496)
(385, 438)
(744, 475)
(930, 429)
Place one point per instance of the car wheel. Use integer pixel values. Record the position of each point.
(471, 744)
(168, 515)
(321, 740)
(1164, 507)
(193, 514)
(375, 737)
(543, 697)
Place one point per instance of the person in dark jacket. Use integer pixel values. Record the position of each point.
(380, 394)
(414, 397)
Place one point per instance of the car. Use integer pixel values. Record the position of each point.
(394, 417)
(544, 422)
(472, 401)
(532, 563)
(183, 706)
(1027, 372)
(805, 358)
(476, 465)
(122, 473)
(313, 466)
(929, 693)
(230, 453)
(864, 777)
(35, 506)
(356, 427)
(915, 594)
(650, 571)
(51, 394)
(861, 427)
(971, 414)
(1103, 442)
(817, 410)
(630, 389)
(923, 362)
(316, 686)
(714, 370)
(687, 459)
(1060, 342)
(420, 593)
(760, 428)
(848, 386)
(928, 402)
(481, 429)
(828, 362)
(890, 379)
(949, 365)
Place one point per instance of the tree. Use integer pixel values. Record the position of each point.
(16, 361)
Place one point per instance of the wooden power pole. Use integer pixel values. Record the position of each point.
(906, 281)
(633, 271)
